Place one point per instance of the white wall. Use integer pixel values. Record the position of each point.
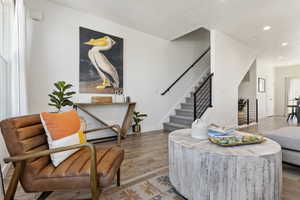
(150, 63)
(281, 74)
(247, 88)
(230, 61)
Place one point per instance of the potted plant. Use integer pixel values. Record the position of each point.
(60, 97)
(138, 118)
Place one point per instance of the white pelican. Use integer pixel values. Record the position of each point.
(105, 69)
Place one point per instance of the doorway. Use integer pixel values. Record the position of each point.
(292, 93)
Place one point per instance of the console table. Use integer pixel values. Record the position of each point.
(126, 120)
(200, 170)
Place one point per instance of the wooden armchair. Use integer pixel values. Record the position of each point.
(91, 167)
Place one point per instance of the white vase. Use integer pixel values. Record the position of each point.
(200, 130)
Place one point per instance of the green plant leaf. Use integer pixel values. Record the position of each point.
(56, 93)
(51, 104)
(69, 93)
(53, 97)
(62, 83)
(67, 103)
(67, 87)
(142, 115)
(57, 86)
(138, 117)
(56, 102)
(60, 98)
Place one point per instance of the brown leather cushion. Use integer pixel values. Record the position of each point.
(23, 134)
(79, 164)
(74, 173)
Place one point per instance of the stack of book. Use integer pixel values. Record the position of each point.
(219, 131)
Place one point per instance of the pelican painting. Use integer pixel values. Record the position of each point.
(101, 62)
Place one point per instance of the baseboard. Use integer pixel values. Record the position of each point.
(150, 132)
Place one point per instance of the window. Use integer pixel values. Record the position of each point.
(6, 16)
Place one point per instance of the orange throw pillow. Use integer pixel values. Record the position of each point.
(61, 125)
(62, 129)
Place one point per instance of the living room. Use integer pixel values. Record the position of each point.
(138, 100)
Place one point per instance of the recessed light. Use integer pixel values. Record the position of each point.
(266, 28)
(284, 44)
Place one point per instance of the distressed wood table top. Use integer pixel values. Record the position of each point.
(183, 137)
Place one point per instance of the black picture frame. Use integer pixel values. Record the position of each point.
(89, 77)
(261, 85)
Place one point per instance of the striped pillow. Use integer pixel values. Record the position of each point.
(62, 129)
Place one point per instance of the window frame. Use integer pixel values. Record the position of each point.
(6, 18)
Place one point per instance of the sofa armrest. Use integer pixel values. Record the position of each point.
(114, 126)
(27, 156)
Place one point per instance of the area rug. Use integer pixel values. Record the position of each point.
(156, 188)
(151, 186)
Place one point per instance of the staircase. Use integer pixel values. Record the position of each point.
(188, 111)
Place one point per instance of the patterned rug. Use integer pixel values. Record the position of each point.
(152, 186)
(156, 188)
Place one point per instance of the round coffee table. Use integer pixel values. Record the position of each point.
(200, 170)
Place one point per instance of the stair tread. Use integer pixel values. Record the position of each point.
(188, 104)
(176, 125)
(185, 110)
(182, 117)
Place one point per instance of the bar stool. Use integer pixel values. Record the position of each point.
(293, 113)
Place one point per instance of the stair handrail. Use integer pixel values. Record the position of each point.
(186, 71)
(204, 82)
(207, 105)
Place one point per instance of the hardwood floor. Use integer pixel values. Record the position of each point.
(149, 153)
(269, 124)
(144, 154)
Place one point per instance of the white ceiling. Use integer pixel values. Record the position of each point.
(241, 19)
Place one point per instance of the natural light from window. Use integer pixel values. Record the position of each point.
(6, 13)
